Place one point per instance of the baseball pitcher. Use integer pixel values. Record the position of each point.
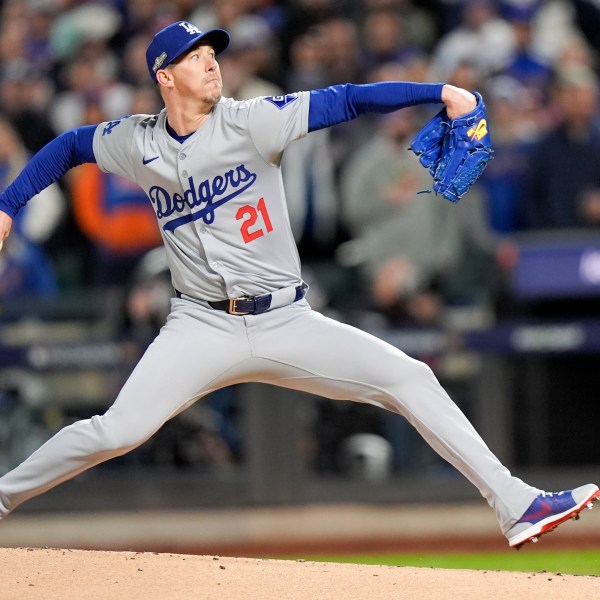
(210, 167)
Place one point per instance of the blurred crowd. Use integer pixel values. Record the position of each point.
(370, 240)
(367, 237)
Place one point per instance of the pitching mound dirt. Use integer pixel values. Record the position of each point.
(49, 574)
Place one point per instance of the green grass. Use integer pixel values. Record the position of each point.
(584, 562)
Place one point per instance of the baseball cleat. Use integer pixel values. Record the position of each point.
(548, 511)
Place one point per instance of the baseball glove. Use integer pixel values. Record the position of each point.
(454, 151)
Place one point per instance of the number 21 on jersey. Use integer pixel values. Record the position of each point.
(255, 220)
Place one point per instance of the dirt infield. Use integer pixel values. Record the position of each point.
(56, 574)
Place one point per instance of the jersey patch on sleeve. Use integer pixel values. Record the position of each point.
(281, 101)
(110, 125)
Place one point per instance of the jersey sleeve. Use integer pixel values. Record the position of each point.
(47, 166)
(275, 121)
(114, 143)
(340, 103)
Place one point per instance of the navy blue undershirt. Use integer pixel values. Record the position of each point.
(329, 106)
(175, 136)
(340, 103)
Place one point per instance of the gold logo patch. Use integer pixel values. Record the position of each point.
(479, 131)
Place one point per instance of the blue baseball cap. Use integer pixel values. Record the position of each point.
(176, 39)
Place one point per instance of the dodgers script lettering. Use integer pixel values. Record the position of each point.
(209, 194)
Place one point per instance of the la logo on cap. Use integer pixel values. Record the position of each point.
(191, 29)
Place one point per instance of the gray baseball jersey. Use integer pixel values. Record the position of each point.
(219, 195)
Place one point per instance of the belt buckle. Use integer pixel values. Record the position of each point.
(233, 307)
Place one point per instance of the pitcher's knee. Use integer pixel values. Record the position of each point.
(413, 384)
(419, 373)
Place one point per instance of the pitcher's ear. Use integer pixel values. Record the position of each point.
(163, 77)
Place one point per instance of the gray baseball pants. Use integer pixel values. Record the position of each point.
(200, 350)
